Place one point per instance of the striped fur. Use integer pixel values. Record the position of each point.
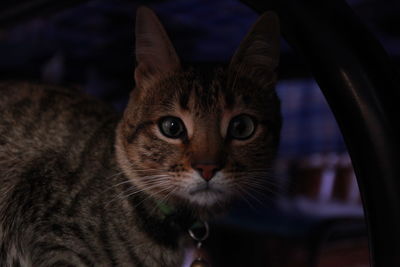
(80, 184)
(58, 203)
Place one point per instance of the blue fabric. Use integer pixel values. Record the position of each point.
(308, 123)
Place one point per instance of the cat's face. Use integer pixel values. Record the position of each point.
(195, 137)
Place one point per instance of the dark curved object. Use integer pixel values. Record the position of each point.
(363, 91)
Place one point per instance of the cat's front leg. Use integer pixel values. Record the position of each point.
(52, 254)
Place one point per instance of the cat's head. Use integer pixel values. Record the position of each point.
(201, 138)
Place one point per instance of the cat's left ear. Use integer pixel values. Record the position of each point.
(155, 54)
(259, 51)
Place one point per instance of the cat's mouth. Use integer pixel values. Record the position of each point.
(205, 188)
(207, 194)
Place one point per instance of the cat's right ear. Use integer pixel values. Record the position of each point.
(259, 51)
(155, 54)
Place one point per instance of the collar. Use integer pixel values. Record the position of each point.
(165, 209)
(170, 213)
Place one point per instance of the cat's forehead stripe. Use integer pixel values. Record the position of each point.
(184, 98)
(203, 96)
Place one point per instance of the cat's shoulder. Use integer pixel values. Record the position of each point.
(22, 89)
(47, 95)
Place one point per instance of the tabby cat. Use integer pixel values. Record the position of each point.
(82, 185)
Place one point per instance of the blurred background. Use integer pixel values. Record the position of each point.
(313, 215)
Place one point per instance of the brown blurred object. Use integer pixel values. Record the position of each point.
(324, 178)
(348, 253)
(345, 187)
(305, 177)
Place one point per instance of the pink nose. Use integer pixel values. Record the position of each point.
(207, 171)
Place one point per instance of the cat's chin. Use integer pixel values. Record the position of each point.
(206, 197)
(206, 204)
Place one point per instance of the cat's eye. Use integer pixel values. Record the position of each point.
(171, 127)
(241, 127)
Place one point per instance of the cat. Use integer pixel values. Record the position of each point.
(82, 185)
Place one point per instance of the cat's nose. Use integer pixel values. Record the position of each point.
(207, 171)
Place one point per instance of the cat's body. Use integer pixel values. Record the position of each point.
(82, 185)
(64, 195)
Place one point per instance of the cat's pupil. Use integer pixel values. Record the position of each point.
(240, 127)
(171, 127)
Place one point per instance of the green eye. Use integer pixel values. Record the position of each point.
(241, 127)
(171, 127)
